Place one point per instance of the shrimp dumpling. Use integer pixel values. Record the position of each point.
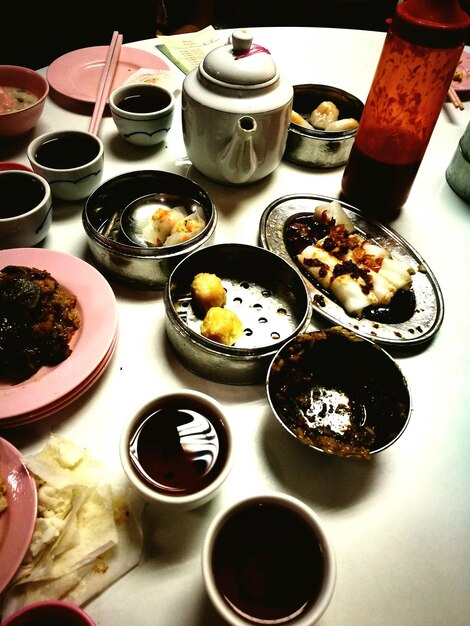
(160, 225)
(296, 118)
(186, 228)
(325, 113)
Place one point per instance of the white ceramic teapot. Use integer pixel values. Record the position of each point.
(236, 112)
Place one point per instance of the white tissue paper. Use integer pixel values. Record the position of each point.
(86, 536)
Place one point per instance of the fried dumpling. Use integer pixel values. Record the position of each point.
(207, 291)
(222, 325)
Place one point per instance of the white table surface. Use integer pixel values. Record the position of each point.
(400, 524)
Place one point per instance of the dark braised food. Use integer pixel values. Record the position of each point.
(339, 393)
(38, 318)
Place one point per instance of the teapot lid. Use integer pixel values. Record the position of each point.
(240, 64)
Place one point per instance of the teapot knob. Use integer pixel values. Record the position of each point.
(241, 40)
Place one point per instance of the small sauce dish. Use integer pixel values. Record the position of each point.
(157, 220)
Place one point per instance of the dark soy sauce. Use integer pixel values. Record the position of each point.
(67, 151)
(19, 194)
(144, 102)
(179, 451)
(267, 563)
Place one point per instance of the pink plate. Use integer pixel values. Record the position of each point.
(464, 65)
(62, 403)
(90, 345)
(77, 74)
(18, 519)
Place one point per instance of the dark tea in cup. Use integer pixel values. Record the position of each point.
(65, 151)
(177, 450)
(144, 101)
(266, 560)
(19, 193)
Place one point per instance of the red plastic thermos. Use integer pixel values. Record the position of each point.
(420, 54)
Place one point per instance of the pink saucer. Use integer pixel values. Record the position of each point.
(463, 85)
(77, 74)
(17, 521)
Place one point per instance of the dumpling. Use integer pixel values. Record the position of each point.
(184, 229)
(296, 118)
(160, 225)
(207, 291)
(346, 123)
(222, 325)
(325, 113)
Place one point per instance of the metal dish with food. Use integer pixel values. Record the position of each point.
(133, 261)
(338, 393)
(263, 292)
(319, 145)
(288, 225)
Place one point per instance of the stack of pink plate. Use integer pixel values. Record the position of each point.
(93, 345)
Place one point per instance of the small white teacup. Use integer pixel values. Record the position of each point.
(25, 209)
(142, 112)
(267, 560)
(70, 160)
(177, 450)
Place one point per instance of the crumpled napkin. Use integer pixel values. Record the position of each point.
(162, 78)
(86, 536)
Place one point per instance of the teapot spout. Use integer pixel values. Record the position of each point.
(238, 160)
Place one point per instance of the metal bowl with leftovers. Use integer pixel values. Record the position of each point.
(338, 393)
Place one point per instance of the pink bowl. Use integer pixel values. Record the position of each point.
(20, 122)
(51, 612)
(10, 165)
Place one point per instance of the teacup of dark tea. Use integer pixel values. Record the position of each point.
(177, 450)
(25, 208)
(142, 112)
(70, 160)
(267, 560)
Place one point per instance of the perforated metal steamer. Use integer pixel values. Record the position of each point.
(266, 293)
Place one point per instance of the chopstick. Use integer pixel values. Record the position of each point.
(454, 98)
(106, 81)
